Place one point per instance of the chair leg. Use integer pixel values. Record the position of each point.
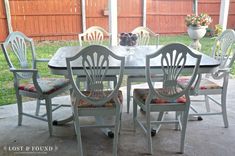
(37, 107)
(128, 92)
(116, 130)
(183, 132)
(159, 118)
(114, 83)
(207, 104)
(120, 125)
(20, 108)
(49, 115)
(78, 131)
(149, 136)
(134, 114)
(179, 116)
(224, 109)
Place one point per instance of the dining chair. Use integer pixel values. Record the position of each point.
(95, 35)
(208, 86)
(144, 37)
(98, 101)
(20, 55)
(171, 96)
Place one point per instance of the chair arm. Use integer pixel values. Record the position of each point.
(42, 60)
(224, 70)
(220, 73)
(23, 70)
(31, 73)
(34, 76)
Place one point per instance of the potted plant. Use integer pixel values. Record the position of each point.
(197, 25)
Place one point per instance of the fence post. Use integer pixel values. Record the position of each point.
(8, 14)
(223, 17)
(83, 15)
(195, 7)
(113, 21)
(144, 12)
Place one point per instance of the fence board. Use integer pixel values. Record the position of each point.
(61, 19)
(3, 22)
(47, 19)
(129, 15)
(162, 15)
(231, 17)
(95, 13)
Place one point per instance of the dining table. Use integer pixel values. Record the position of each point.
(134, 62)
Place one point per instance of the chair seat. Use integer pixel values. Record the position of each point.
(141, 94)
(48, 85)
(84, 104)
(204, 83)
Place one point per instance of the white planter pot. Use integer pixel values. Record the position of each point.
(196, 33)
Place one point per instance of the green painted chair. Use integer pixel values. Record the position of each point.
(208, 86)
(20, 55)
(171, 96)
(95, 35)
(144, 35)
(97, 101)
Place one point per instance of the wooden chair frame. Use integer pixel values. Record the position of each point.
(19, 44)
(144, 34)
(95, 60)
(223, 50)
(173, 58)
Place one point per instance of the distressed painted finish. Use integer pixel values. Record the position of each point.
(19, 47)
(144, 35)
(95, 61)
(224, 52)
(173, 61)
(93, 35)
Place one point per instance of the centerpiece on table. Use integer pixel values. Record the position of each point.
(128, 39)
(197, 25)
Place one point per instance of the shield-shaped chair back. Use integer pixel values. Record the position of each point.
(20, 53)
(144, 35)
(223, 49)
(173, 59)
(94, 62)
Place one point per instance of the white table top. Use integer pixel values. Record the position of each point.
(135, 60)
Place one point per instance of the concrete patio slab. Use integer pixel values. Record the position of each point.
(203, 138)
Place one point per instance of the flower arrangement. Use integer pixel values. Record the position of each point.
(198, 20)
(128, 39)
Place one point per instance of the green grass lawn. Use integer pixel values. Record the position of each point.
(47, 49)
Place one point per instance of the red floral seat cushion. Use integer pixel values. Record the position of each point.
(84, 104)
(204, 84)
(48, 85)
(141, 95)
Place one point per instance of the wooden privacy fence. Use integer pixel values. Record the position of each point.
(62, 19)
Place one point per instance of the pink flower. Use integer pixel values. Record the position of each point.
(198, 20)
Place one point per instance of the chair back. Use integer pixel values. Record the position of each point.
(93, 35)
(172, 58)
(144, 34)
(95, 64)
(224, 51)
(20, 53)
